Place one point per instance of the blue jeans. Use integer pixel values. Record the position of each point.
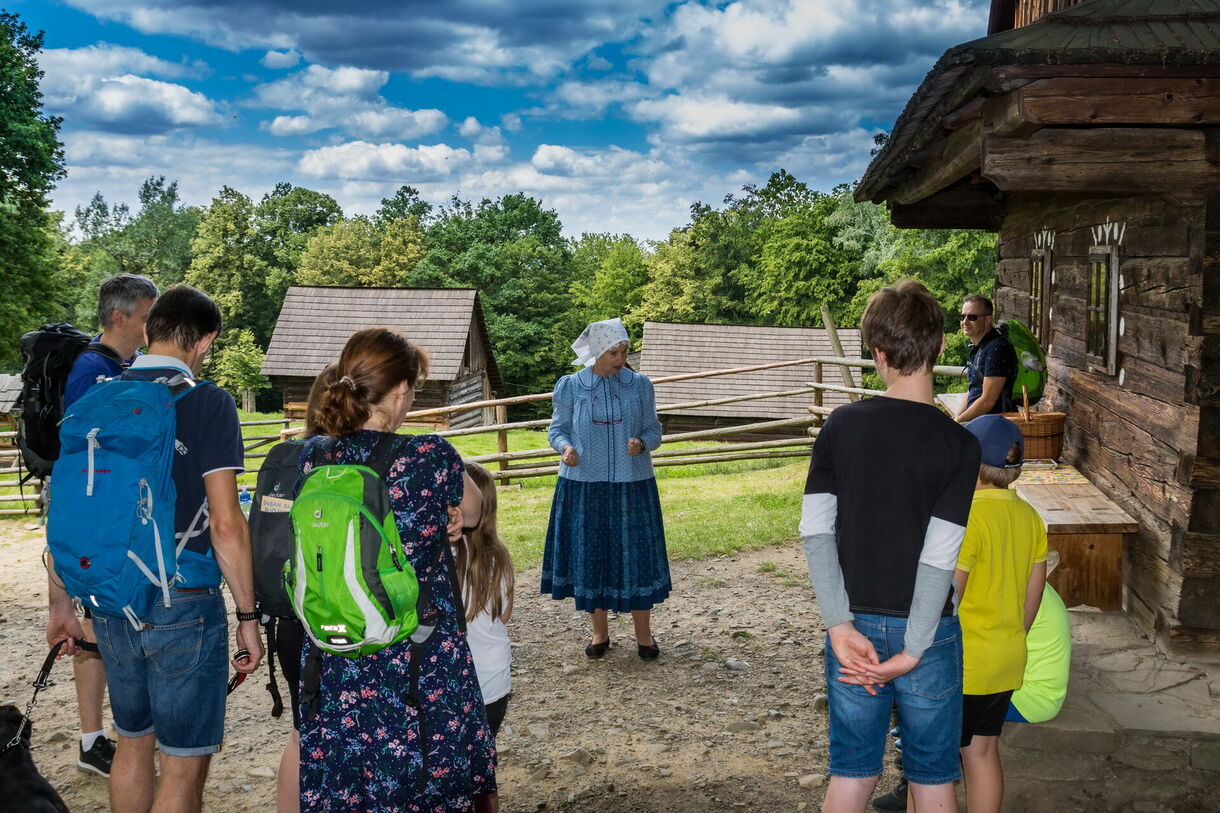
(928, 698)
(170, 677)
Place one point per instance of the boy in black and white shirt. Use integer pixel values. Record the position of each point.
(885, 509)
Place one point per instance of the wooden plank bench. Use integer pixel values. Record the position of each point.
(1087, 529)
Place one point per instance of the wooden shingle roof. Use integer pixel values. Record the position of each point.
(673, 349)
(1096, 32)
(10, 388)
(316, 322)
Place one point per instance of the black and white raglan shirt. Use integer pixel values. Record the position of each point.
(885, 510)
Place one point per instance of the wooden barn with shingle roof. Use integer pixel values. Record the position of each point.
(316, 322)
(674, 349)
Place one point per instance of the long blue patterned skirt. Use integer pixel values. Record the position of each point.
(605, 546)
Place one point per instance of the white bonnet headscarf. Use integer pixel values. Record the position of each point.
(596, 339)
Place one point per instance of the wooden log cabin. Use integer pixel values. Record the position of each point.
(315, 323)
(1083, 133)
(678, 348)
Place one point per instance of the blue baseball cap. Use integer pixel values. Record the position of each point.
(996, 436)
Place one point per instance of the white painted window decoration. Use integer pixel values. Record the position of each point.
(1103, 326)
(1041, 285)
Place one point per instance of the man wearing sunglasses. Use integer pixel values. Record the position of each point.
(992, 366)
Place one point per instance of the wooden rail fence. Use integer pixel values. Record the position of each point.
(543, 462)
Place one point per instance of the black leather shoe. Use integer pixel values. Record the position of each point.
(896, 799)
(649, 652)
(597, 650)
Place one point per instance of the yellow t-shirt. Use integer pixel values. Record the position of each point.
(1004, 538)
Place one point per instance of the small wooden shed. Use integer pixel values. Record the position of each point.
(677, 348)
(316, 322)
(1082, 132)
(10, 388)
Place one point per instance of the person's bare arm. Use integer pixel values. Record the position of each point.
(62, 623)
(231, 545)
(1033, 593)
(993, 387)
(472, 502)
(960, 577)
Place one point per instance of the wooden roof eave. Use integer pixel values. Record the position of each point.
(1092, 39)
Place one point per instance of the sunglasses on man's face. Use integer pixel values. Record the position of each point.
(973, 317)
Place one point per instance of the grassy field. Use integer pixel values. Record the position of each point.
(710, 509)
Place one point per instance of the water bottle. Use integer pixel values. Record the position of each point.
(245, 500)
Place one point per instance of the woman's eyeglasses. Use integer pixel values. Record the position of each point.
(972, 317)
(607, 411)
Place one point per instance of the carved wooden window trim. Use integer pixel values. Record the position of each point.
(1101, 310)
(1041, 293)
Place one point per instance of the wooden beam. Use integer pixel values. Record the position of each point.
(960, 158)
(1009, 77)
(1115, 159)
(1075, 101)
(965, 114)
(961, 207)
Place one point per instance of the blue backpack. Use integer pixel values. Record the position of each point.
(110, 524)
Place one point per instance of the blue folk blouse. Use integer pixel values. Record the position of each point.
(596, 415)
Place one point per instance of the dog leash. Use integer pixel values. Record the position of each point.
(40, 683)
(43, 680)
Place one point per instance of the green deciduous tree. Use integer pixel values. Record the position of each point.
(31, 160)
(228, 264)
(513, 251)
(359, 252)
(236, 366)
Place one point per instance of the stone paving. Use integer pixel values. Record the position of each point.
(1139, 731)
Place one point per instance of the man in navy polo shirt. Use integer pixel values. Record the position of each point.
(167, 680)
(992, 366)
(122, 308)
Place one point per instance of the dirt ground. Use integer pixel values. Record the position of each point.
(726, 716)
(731, 716)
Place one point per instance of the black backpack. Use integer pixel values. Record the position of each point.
(49, 354)
(271, 527)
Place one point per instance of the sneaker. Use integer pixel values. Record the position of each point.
(98, 758)
(896, 799)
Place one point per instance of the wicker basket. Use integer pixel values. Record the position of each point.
(1043, 431)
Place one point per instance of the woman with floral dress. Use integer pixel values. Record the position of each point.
(362, 748)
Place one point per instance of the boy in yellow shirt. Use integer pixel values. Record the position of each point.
(1001, 571)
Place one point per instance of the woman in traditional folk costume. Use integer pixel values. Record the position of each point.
(605, 546)
(363, 749)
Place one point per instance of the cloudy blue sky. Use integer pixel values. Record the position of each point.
(616, 113)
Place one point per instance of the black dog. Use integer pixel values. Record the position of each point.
(22, 788)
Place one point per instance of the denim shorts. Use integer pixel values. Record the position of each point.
(171, 676)
(928, 699)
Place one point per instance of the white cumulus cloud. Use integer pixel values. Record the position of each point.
(344, 98)
(277, 60)
(361, 160)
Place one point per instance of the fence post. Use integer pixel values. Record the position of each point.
(817, 393)
(502, 434)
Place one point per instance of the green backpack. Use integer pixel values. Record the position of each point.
(1031, 362)
(349, 581)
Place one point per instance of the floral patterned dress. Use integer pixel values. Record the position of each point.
(362, 750)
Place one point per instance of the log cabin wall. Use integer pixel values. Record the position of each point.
(1135, 433)
(1030, 11)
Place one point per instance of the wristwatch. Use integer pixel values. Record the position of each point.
(253, 615)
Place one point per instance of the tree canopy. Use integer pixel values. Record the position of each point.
(31, 160)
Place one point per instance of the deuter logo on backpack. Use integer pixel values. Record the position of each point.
(110, 525)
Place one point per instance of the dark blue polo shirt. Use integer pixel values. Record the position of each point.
(993, 357)
(208, 439)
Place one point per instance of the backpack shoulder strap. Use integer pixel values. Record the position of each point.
(107, 351)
